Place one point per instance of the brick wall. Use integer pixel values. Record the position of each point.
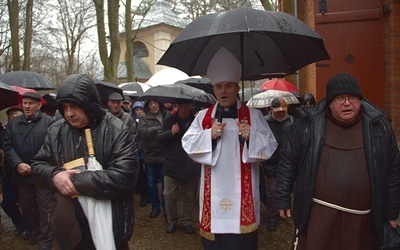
(305, 12)
(392, 63)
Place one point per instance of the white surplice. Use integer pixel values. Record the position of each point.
(226, 167)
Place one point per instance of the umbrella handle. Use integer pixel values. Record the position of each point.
(89, 141)
(241, 140)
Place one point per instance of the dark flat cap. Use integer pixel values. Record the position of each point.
(115, 97)
(183, 101)
(32, 95)
(126, 99)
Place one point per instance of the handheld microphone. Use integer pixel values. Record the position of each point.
(220, 109)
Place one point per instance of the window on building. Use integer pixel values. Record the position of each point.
(140, 49)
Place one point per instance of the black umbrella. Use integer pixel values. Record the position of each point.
(105, 89)
(50, 98)
(171, 93)
(27, 79)
(8, 96)
(51, 104)
(134, 89)
(199, 83)
(267, 43)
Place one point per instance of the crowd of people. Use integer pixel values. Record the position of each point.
(339, 157)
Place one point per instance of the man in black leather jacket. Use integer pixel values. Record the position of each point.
(344, 159)
(80, 105)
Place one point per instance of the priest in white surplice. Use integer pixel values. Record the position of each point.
(230, 141)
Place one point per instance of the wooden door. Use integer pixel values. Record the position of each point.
(354, 37)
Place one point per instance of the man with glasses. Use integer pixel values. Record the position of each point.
(344, 159)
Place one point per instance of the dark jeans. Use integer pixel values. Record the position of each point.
(232, 242)
(272, 211)
(35, 204)
(10, 205)
(153, 176)
(263, 195)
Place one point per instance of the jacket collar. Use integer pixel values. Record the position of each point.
(369, 110)
(34, 119)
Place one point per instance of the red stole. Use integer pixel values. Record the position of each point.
(247, 215)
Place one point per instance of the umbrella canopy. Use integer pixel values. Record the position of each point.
(249, 92)
(51, 105)
(105, 89)
(27, 79)
(50, 98)
(267, 43)
(134, 89)
(173, 92)
(166, 76)
(199, 83)
(22, 91)
(263, 100)
(279, 84)
(8, 96)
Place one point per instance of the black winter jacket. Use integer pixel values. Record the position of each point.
(281, 131)
(22, 141)
(177, 163)
(113, 147)
(127, 119)
(301, 154)
(148, 128)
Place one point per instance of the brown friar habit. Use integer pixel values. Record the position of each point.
(342, 179)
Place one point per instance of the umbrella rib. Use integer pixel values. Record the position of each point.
(280, 51)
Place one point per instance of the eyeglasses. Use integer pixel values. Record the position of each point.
(342, 99)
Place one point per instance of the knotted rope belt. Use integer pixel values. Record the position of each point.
(344, 209)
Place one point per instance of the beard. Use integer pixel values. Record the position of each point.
(281, 118)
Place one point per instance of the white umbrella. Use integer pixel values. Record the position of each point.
(263, 99)
(167, 76)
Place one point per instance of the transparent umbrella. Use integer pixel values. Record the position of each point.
(263, 99)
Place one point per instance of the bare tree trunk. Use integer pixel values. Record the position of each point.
(75, 19)
(115, 52)
(101, 33)
(13, 12)
(267, 4)
(129, 63)
(28, 36)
